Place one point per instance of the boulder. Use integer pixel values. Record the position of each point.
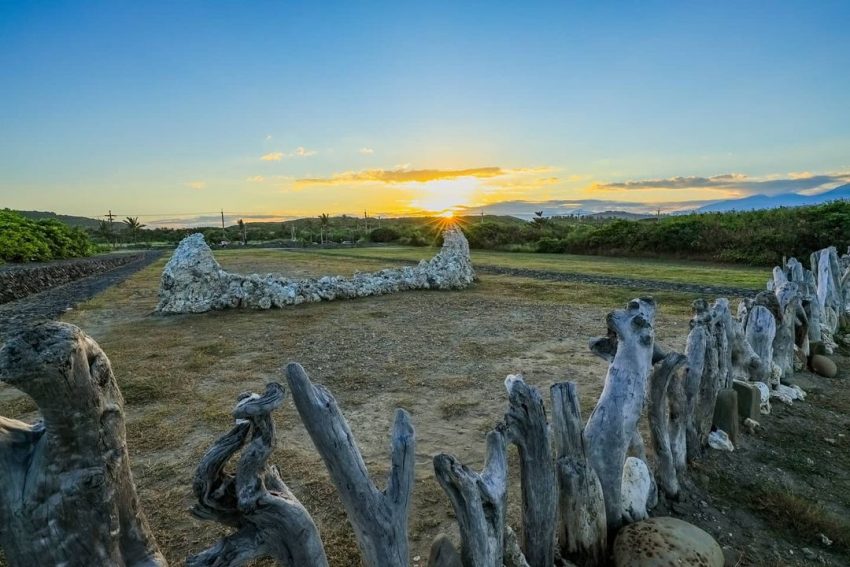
(665, 541)
(824, 366)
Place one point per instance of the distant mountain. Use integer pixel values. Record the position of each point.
(773, 201)
(70, 220)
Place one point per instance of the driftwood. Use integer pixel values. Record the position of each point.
(379, 518)
(583, 527)
(702, 380)
(479, 501)
(613, 422)
(743, 360)
(760, 332)
(67, 496)
(528, 429)
(783, 343)
(660, 383)
(268, 518)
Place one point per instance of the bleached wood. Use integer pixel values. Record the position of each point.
(659, 421)
(479, 501)
(379, 518)
(269, 519)
(528, 429)
(67, 495)
(612, 423)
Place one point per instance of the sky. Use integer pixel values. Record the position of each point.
(174, 111)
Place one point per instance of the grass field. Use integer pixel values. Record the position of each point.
(443, 356)
(682, 271)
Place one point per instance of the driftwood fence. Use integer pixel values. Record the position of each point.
(68, 498)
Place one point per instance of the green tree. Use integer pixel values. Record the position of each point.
(324, 223)
(133, 225)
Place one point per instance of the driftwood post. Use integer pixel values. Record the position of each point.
(696, 350)
(67, 495)
(583, 528)
(479, 501)
(269, 519)
(783, 343)
(528, 429)
(612, 424)
(379, 518)
(660, 426)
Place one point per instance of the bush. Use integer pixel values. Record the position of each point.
(27, 240)
(383, 234)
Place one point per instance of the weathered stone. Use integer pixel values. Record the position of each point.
(637, 483)
(194, 282)
(824, 366)
(749, 400)
(664, 541)
(726, 413)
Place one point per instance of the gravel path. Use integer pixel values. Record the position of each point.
(53, 302)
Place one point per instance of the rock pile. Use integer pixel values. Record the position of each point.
(194, 282)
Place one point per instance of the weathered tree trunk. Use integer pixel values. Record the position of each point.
(783, 343)
(583, 527)
(67, 495)
(760, 333)
(696, 351)
(269, 519)
(528, 429)
(659, 421)
(825, 267)
(611, 425)
(723, 333)
(379, 518)
(742, 358)
(479, 501)
(678, 420)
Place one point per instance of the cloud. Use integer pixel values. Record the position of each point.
(744, 184)
(367, 151)
(402, 175)
(255, 179)
(198, 185)
(298, 152)
(301, 152)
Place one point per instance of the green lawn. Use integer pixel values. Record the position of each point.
(685, 271)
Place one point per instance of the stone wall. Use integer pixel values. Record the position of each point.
(18, 281)
(194, 282)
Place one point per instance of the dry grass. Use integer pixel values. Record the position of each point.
(441, 355)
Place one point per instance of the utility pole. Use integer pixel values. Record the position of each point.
(223, 234)
(110, 216)
(482, 216)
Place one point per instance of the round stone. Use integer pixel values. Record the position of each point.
(665, 542)
(824, 366)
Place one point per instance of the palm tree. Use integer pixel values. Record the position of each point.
(324, 222)
(133, 225)
(242, 234)
(104, 229)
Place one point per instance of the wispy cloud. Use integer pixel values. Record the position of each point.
(367, 151)
(197, 185)
(401, 175)
(740, 183)
(298, 152)
(255, 179)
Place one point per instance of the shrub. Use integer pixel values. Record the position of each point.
(383, 234)
(27, 240)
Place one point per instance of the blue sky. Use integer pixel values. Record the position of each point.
(166, 110)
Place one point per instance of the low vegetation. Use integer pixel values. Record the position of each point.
(28, 240)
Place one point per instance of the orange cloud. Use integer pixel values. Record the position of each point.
(402, 176)
(272, 156)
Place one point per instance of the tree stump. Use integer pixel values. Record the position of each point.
(67, 496)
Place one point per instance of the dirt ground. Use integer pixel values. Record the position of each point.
(443, 356)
